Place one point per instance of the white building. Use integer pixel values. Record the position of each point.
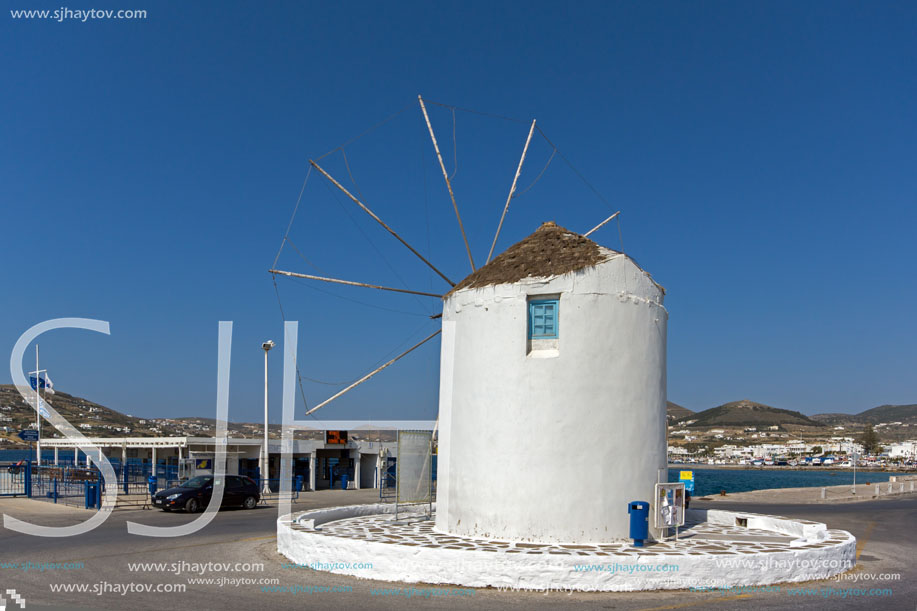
(556, 339)
(365, 461)
(905, 449)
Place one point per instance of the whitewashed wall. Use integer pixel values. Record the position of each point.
(552, 449)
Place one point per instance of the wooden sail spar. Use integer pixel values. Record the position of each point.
(378, 220)
(600, 225)
(512, 190)
(351, 283)
(374, 372)
(448, 182)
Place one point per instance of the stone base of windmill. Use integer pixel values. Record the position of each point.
(715, 549)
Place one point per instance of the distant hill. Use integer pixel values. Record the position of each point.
(749, 413)
(890, 413)
(833, 417)
(675, 412)
(15, 413)
(95, 420)
(906, 414)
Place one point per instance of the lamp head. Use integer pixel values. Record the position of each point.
(267, 345)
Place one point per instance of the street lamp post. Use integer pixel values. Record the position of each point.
(265, 456)
(856, 458)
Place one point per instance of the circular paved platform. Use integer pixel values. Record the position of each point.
(716, 548)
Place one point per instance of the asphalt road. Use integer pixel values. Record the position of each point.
(885, 531)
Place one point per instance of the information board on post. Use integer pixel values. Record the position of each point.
(687, 478)
(28, 435)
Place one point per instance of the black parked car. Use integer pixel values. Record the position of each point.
(194, 494)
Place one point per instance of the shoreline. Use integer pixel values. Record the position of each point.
(892, 470)
(820, 495)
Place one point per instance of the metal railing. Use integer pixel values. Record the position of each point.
(14, 478)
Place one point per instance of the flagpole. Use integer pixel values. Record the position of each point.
(37, 408)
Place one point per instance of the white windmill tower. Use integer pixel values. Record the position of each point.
(552, 384)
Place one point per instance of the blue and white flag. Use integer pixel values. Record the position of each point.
(43, 382)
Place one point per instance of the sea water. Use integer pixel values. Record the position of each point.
(711, 481)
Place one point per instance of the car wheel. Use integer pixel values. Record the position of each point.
(192, 506)
(250, 502)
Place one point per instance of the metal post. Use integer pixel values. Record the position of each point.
(266, 457)
(124, 465)
(264, 450)
(98, 494)
(854, 472)
(37, 408)
(356, 471)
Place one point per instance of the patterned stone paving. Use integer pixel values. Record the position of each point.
(695, 538)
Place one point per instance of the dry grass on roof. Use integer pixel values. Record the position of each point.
(550, 251)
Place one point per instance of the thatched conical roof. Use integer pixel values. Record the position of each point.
(550, 251)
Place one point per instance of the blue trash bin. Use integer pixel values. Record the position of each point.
(92, 495)
(639, 521)
(151, 482)
(298, 483)
(343, 482)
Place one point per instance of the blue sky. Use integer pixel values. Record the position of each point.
(762, 154)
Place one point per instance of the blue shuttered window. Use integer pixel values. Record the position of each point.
(543, 319)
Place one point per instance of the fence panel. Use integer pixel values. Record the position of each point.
(13, 478)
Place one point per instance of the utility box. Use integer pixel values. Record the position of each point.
(639, 521)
